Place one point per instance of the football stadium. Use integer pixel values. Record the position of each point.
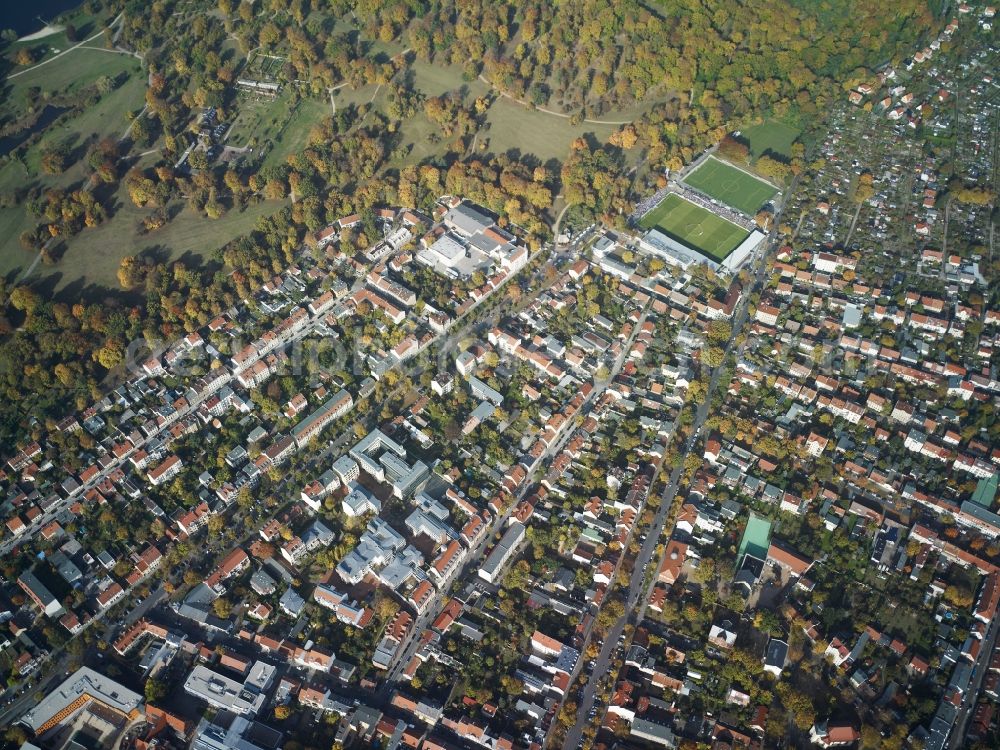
(730, 185)
(695, 227)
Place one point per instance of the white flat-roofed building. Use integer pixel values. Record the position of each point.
(82, 688)
(651, 731)
(466, 220)
(468, 241)
(239, 734)
(465, 363)
(384, 653)
(346, 610)
(291, 602)
(260, 87)
(393, 465)
(403, 477)
(501, 554)
(657, 243)
(361, 561)
(454, 258)
(44, 599)
(346, 468)
(376, 547)
(446, 252)
(366, 452)
(443, 383)
(603, 245)
(359, 501)
(481, 390)
(429, 505)
(385, 460)
(735, 260)
(219, 691)
(405, 566)
(399, 238)
(420, 522)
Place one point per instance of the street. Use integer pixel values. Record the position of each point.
(981, 667)
(474, 560)
(638, 594)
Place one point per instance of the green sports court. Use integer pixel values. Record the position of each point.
(730, 185)
(695, 227)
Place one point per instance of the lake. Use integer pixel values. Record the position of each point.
(24, 17)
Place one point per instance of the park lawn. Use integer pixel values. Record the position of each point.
(380, 51)
(68, 73)
(262, 120)
(230, 51)
(625, 116)
(512, 127)
(13, 257)
(416, 132)
(771, 135)
(695, 227)
(346, 96)
(293, 137)
(509, 125)
(93, 256)
(727, 184)
(110, 116)
(416, 142)
(435, 80)
(250, 112)
(107, 119)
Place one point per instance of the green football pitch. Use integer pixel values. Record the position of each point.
(730, 185)
(695, 227)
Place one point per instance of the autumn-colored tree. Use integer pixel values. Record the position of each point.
(110, 355)
(222, 608)
(275, 189)
(129, 272)
(55, 159)
(719, 331)
(713, 356)
(734, 149)
(625, 138)
(154, 221)
(976, 196)
(282, 711)
(776, 170)
(25, 299)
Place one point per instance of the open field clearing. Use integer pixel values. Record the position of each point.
(773, 136)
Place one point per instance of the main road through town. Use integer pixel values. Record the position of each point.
(638, 589)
